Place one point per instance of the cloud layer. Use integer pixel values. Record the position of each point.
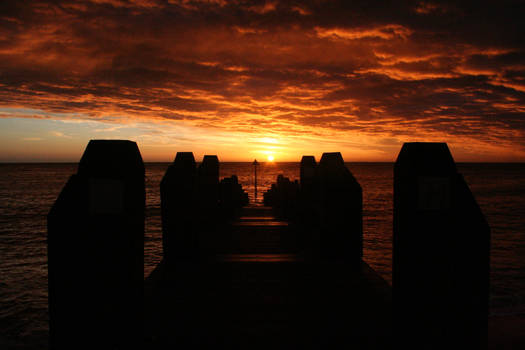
(323, 70)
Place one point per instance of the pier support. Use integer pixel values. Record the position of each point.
(308, 173)
(340, 211)
(232, 197)
(208, 213)
(209, 183)
(326, 206)
(441, 253)
(308, 213)
(178, 193)
(282, 196)
(96, 251)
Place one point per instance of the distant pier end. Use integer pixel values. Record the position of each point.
(326, 205)
(440, 253)
(96, 250)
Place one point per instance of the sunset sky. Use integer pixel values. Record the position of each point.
(250, 79)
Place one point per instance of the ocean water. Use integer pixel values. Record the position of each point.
(27, 192)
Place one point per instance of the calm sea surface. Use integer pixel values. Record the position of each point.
(27, 192)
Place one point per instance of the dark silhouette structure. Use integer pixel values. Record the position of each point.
(282, 196)
(195, 206)
(208, 212)
(441, 253)
(96, 251)
(308, 172)
(289, 274)
(179, 208)
(209, 183)
(340, 202)
(232, 197)
(326, 206)
(255, 165)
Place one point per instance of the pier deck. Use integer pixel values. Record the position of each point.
(258, 291)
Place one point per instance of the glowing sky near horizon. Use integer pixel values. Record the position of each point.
(260, 79)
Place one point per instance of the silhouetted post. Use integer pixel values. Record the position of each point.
(178, 192)
(308, 216)
(308, 171)
(96, 251)
(208, 202)
(209, 182)
(309, 183)
(255, 165)
(232, 197)
(441, 253)
(340, 211)
(282, 196)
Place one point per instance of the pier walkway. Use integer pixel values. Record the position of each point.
(258, 291)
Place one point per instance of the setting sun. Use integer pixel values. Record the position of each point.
(270, 158)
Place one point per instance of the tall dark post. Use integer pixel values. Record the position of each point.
(255, 165)
(208, 186)
(340, 211)
(208, 201)
(441, 253)
(96, 251)
(178, 193)
(308, 213)
(308, 171)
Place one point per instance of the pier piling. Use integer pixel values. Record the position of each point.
(96, 251)
(258, 274)
(178, 193)
(440, 253)
(209, 219)
(340, 211)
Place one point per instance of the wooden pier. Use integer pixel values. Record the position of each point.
(259, 291)
(288, 275)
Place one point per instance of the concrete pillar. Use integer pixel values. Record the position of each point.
(209, 182)
(309, 190)
(308, 208)
(308, 171)
(232, 197)
(209, 218)
(178, 193)
(96, 251)
(340, 211)
(441, 253)
(269, 197)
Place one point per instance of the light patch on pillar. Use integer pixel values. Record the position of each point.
(106, 196)
(434, 193)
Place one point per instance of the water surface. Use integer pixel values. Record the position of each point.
(27, 192)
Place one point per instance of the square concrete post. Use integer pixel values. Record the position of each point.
(209, 217)
(340, 211)
(96, 251)
(308, 172)
(178, 193)
(441, 253)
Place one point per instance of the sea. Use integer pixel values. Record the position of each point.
(27, 192)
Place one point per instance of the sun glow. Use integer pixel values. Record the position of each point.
(270, 158)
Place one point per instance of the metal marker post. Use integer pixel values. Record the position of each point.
(255, 164)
